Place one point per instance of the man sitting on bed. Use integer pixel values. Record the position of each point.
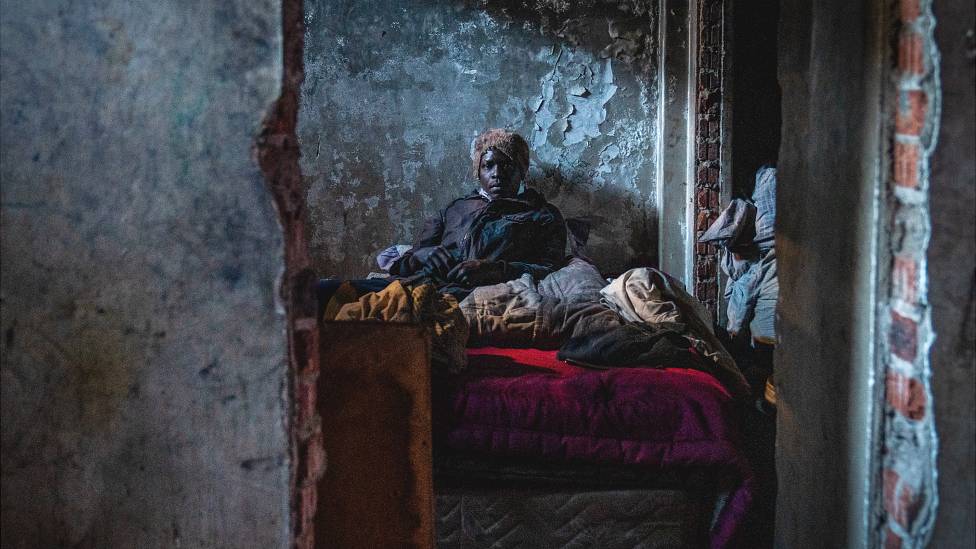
(490, 236)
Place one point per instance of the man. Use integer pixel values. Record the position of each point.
(490, 236)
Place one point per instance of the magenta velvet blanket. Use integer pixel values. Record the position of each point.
(523, 403)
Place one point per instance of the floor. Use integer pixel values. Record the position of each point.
(757, 425)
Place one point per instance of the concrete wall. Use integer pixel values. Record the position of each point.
(397, 90)
(952, 277)
(829, 70)
(875, 366)
(142, 348)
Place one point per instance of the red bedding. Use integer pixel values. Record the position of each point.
(523, 403)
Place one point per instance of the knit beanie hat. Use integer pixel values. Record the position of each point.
(510, 143)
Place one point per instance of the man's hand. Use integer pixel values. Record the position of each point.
(477, 272)
(438, 259)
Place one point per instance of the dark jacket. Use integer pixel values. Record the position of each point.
(525, 233)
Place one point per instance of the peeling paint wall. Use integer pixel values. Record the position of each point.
(142, 351)
(397, 90)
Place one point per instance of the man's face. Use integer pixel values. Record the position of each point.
(499, 175)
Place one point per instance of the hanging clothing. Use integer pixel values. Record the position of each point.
(745, 234)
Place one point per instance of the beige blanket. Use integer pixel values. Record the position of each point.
(649, 295)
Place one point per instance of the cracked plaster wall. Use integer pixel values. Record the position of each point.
(396, 91)
(143, 355)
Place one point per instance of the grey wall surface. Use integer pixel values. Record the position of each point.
(952, 277)
(397, 90)
(142, 349)
(828, 69)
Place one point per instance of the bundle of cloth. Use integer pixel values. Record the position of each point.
(744, 234)
(643, 318)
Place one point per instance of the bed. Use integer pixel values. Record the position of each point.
(562, 429)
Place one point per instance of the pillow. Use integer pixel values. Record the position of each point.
(388, 256)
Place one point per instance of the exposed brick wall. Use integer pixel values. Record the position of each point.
(276, 151)
(708, 142)
(907, 478)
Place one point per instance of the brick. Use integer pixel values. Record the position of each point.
(311, 459)
(906, 395)
(702, 221)
(713, 128)
(701, 289)
(717, 11)
(910, 10)
(305, 393)
(713, 151)
(910, 59)
(900, 499)
(912, 106)
(702, 151)
(892, 540)
(716, 35)
(708, 268)
(716, 60)
(903, 337)
(705, 33)
(904, 280)
(708, 103)
(705, 269)
(304, 541)
(701, 198)
(713, 199)
(894, 501)
(305, 349)
(711, 293)
(704, 59)
(912, 503)
(889, 481)
(712, 176)
(307, 507)
(906, 165)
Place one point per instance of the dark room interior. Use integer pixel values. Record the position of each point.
(205, 342)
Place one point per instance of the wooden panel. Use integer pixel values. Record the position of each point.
(374, 400)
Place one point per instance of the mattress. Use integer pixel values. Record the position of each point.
(564, 519)
(525, 406)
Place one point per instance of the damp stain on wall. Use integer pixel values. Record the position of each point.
(396, 92)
